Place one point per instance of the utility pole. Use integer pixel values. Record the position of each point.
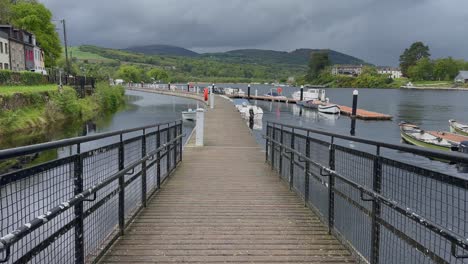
(66, 46)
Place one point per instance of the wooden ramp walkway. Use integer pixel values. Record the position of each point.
(224, 204)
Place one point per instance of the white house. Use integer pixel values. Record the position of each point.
(4, 51)
(39, 65)
(353, 70)
(462, 77)
(395, 73)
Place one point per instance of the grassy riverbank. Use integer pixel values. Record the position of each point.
(44, 105)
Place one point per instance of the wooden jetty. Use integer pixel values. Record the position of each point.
(345, 110)
(225, 204)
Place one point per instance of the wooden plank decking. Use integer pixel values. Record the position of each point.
(224, 204)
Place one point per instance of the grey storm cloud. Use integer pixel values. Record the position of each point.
(375, 30)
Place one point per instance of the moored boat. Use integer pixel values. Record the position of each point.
(312, 104)
(310, 94)
(244, 109)
(414, 135)
(458, 128)
(329, 109)
(189, 115)
(275, 95)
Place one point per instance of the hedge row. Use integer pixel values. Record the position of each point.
(21, 78)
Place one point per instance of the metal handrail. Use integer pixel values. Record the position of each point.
(8, 240)
(454, 238)
(452, 156)
(21, 151)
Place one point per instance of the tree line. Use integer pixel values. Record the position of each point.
(416, 64)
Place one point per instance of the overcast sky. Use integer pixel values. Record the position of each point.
(374, 30)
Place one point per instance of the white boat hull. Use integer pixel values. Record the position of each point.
(329, 109)
(189, 115)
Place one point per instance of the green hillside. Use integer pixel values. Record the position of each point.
(162, 50)
(297, 57)
(233, 66)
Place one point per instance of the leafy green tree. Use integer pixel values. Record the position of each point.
(422, 71)
(446, 69)
(412, 55)
(318, 62)
(36, 18)
(157, 74)
(130, 73)
(5, 11)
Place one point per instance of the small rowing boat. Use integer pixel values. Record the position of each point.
(413, 135)
(458, 128)
(332, 109)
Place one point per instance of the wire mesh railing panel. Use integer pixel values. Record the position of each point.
(99, 165)
(132, 153)
(384, 210)
(355, 165)
(70, 210)
(31, 192)
(438, 198)
(61, 250)
(351, 221)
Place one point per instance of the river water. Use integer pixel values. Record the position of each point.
(430, 109)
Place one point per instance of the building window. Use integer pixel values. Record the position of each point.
(6, 48)
(1, 47)
(7, 66)
(1, 66)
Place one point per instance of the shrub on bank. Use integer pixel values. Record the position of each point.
(109, 98)
(8, 77)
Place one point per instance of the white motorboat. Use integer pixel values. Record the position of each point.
(244, 109)
(329, 109)
(310, 95)
(189, 115)
(234, 91)
(275, 95)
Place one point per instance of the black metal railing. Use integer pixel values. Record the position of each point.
(71, 209)
(383, 209)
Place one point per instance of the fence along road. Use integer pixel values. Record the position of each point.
(225, 204)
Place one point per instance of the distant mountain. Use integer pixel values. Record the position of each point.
(252, 56)
(164, 50)
(297, 57)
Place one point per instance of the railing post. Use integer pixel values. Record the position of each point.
(331, 186)
(376, 208)
(306, 175)
(267, 141)
(158, 159)
(181, 142)
(175, 147)
(291, 166)
(168, 150)
(281, 153)
(121, 187)
(273, 148)
(78, 209)
(143, 169)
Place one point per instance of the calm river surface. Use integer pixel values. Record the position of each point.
(429, 109)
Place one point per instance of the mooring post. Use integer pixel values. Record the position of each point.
(212, 96)
(200, 127)
(188, 87)
(302, 92)
(354, 111)
(248, 91)
(169, 86)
